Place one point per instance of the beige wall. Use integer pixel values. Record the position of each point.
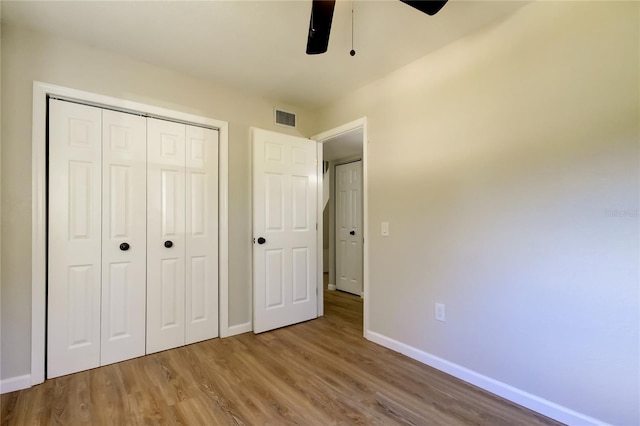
(27, 56)
(507, 166)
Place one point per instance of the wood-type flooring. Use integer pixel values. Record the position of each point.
(321, 372)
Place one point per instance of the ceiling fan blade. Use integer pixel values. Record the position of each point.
(430, 7)
(320, 26)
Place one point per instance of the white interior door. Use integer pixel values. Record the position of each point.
(201, 234)
(284, 228)
(165, 235)
(349, 242)
(73, 315)
(124, 245)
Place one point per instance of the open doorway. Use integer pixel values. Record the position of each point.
(344, 215)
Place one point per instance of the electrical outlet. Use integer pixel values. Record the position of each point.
(440, 316)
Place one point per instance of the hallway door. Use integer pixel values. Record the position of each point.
(349, 241)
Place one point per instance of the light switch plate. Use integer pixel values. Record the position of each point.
(384, 229)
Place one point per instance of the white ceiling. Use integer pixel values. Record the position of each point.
(342, 146)
(259, 46)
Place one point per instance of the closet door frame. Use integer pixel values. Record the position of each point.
(41, 92)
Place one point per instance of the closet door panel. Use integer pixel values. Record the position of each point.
(123, 236)
(73, 314)
(165, 235)
(201, 234)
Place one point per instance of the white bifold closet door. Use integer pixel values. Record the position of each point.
(182, 260)
(133, 236)
(96, 285)
(123, 236)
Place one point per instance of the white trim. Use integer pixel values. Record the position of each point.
(331, 287)
(15, 383)
(239, 329)
(223, 232)
(252, 232)
(337, 131)
(38, 228)
(518, 396)
(38, 232)
(321, 138)
(319, 232)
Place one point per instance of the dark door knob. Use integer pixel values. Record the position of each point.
(352, 233)
(261, 240)
(168, 244)
(124, 246)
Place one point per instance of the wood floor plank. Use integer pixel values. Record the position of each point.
(107, 392)
(321, 372)
(149, 407)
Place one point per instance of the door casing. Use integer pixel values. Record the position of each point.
(321, 138)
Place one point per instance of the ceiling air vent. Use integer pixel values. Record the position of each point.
(285, 118)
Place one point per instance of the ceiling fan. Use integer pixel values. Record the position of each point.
(322, 15)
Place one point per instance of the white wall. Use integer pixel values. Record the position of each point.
(28, 56)
(507, 165)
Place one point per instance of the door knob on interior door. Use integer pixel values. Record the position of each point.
(261, 240)
(124, 246)
(168, 244)
(352, 233)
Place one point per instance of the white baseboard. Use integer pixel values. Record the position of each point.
(239, 329)
(518, 396)
(15, 383)
(331, 287)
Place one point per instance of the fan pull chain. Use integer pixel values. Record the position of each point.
(352, 52)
